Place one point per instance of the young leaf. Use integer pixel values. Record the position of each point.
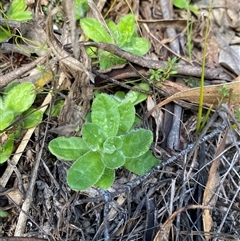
(185, 4)
(32, 117)
(20, 98)
(95, 31)
(81, 8)
(68, 149)
(93, 135)
(21, 16)
(105, 113)
(55, 111)
(6, 117)
(127, 117)
(119, 96)
(10, 86)
(106, 179)
(114, 30)
(112, 144)
(85, 171)
(180, 3)
(107, 60)
(6, 149)
(136, 142)
(114, 160)
(142, 164)
(17, 11)
(137, 46)
(4, 35)
(137, 97)
(3, 214)
(126, 28)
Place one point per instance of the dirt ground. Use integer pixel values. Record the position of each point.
(194, 192)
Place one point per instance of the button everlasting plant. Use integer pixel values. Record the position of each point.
(109, 141)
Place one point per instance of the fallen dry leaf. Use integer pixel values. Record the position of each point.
(211, 94)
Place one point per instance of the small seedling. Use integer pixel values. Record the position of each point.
(15, 105)
(163, 74)
(123, 34)
(191, 82)
(109, 141)
(17, 11)
(225, 94)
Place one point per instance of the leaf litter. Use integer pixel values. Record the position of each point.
(194, 196)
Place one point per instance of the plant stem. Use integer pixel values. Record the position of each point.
(200, 108)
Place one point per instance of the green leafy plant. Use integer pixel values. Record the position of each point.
(163, 74)
(224, 92)
(109, 141)
(17, 11)
(123, 34)
(192, 82)
(16, 114)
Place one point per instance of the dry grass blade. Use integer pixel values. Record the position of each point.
(211, 189)
(163, 233)
(211, 95)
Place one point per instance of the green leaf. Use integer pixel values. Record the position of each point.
(93, 135)
(6, 149)
(106, 179)
(137, 46)
(114, 30)
(105, 113)
(4, 35)
(107, 60)
(112, 144)
(184, 4)
(193, 9)
(114, 160)
(142, 164)
(85, 171)
(32, 117)
(119, 96)
(136, 142)
(81, 8)
(92, 52)
(55, 109)
(180, 3)
(20, 98)
(16, 6)
(68, 149)
(137, 97)
(21, 16)
(127, 117)
(95, 31)
(11, 86)
(6, 118)
(17, 11)
(126, 28)
(3, 214)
